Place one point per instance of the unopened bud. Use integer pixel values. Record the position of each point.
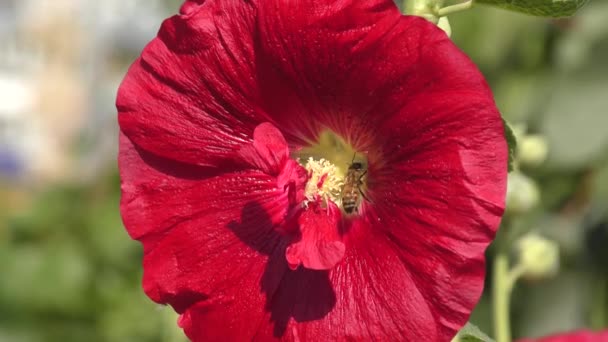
(538, 257)
(522, 193)
(532, 150)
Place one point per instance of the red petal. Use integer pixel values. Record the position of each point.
(269, 151)
(212, 250)
(299, 296)
(403, 91)
(371, 63)
(394, 86)
(319, 247)
(312, 52)
(452, 177)
(440, 197)
(379, 298)
(154, 190)
(192, 95)
(187, 222)
(190, 6)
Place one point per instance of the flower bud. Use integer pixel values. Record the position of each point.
(532, 150)
(522, 193)
(538, 257)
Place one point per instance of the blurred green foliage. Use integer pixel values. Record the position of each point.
(71, 273)
(552, 77)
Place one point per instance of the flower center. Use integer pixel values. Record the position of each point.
(336, 172)
(324, 181)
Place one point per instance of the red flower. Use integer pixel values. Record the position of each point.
(577, 336)
(247, 244)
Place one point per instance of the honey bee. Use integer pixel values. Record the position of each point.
(351, 191)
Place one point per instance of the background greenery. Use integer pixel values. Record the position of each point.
(69, 272)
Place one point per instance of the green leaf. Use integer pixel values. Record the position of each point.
(511, 143)
(471, 333)
(541, 8)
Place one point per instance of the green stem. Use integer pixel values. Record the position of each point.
(598, 309)
(442, 12)
(432, 10)
(501, 295)
(514, 274)
(422, 8)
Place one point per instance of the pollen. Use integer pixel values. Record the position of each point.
(325, 181)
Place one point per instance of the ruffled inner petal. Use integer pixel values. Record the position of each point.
(319, 246)
(269, 151)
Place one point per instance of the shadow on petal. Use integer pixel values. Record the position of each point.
(182, 170)
(301, 294)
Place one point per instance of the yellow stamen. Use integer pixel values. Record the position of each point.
(324, 182)
(327, 162)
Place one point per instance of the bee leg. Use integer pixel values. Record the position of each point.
(364, 197)
(359, 182)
